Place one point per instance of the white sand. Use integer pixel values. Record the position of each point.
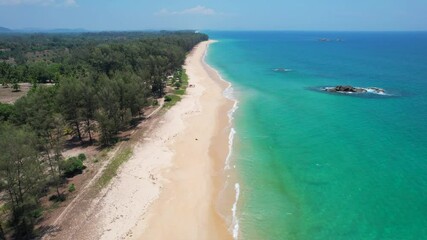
(187, 207)
(169, 188)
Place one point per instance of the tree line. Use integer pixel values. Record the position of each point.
(102, 81)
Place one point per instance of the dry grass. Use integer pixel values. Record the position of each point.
(8, 96)
(111, 170)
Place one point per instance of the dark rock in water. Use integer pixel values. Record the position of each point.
(348, 89)
(351, 89)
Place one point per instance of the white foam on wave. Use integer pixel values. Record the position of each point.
(229, 94)
(235, 220)
(230, 148)
(282, 70)
(373, 91)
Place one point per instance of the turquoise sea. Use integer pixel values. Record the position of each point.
(315, 165)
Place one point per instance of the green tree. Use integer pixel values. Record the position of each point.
(38, 111)
(6, 111)
(88, 106)
(15, 86)
(21, 176)
(5, 74)
(53, 153)
(69, 100)
(108, 114)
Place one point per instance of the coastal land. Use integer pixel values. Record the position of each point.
(187, 207)
(170, 187)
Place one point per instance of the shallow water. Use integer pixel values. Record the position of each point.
(316, 165)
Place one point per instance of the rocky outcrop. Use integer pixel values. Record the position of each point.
(351, 89)
(348, 89)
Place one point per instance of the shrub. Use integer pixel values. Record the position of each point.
(16, 87)
(72, 167)
(168, 98)
(6, 111)
(173, 100)
(180, 92)
(56, 198)
(37, 213)
(71, 188)
(81, 157)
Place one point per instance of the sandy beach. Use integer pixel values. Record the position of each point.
(188, 205)
(169, 188)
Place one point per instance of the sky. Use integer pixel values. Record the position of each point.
(320, 15)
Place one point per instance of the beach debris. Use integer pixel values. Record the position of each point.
(153, 179)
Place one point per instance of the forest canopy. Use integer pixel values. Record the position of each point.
(98, 78)
(84, 86)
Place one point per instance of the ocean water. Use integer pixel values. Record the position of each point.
(316, 165)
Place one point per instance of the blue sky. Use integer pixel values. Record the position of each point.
(367, 15)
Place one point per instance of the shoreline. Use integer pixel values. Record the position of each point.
(190, 205)
(173, 185)
(231, 188)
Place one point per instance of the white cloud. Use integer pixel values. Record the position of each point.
(200, 10)
(197, 10)
(39, 2)
(164, 11)
(70, 3)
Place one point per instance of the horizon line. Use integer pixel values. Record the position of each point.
(83, 30)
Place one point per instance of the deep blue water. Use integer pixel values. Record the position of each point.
(314, 165)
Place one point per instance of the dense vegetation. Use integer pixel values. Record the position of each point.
(98, 83)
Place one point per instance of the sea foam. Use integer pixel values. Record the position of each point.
(229, 94)
(230, 148)
(235, 220)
